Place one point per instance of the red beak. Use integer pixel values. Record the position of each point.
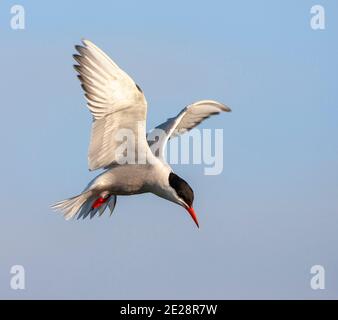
(193, 215)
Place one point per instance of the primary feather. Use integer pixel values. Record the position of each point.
(115, 102)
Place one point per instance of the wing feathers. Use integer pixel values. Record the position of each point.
(112, 97)
(195, 113)
(190, 117)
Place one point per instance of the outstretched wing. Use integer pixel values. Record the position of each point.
(115, 101)
(187, 119)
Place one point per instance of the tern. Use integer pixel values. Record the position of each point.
(117, 105)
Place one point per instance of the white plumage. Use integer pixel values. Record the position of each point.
(117, 103)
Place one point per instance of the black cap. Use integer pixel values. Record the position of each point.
(182, 188)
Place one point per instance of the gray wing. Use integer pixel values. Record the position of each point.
(115, 102)
(187, 119)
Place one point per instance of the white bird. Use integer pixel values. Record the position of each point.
(118, 107)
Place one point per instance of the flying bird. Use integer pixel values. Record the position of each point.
(118, 106)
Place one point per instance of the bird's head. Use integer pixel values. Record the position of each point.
(182, 194)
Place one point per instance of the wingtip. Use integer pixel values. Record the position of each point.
(219, 105)
(78, 48)
(87, 43)
(227, 109)
(224, 107)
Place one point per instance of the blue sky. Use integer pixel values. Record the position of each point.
(271, 214)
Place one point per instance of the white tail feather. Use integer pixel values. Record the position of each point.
(71, 206)
(82, 204)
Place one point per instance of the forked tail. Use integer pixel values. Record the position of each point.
(84, 205)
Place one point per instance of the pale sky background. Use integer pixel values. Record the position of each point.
(271, 214)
